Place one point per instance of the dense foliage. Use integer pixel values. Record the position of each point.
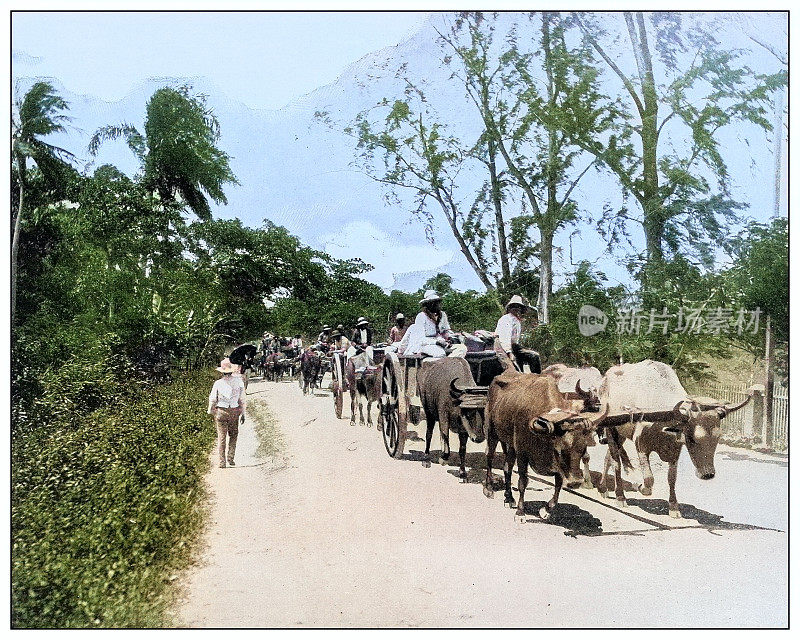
(106, 504)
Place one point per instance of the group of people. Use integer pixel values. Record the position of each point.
(430, 335)
(274, 344)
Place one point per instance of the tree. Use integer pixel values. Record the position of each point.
(668, 162)
(178, 152)
(39, 113)
(521, 97)
(407, 146)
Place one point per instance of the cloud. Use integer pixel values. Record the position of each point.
(390, 259)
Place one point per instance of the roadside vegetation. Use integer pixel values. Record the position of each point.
(125, 289)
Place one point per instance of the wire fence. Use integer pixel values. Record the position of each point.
(745, 426)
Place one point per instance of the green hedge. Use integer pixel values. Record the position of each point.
(106, 507)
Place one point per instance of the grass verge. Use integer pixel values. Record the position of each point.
(270, 442)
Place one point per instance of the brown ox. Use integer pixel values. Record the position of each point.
(675, 419)
(449, 395)
(535, 425)
(580, 386)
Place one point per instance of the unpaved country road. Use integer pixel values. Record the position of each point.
(340, 535)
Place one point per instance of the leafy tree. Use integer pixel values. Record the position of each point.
(665, 148)
(523, 118)
(178, 151)
(37, 114)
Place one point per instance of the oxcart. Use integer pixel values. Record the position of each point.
(400, 401)
(338, 367)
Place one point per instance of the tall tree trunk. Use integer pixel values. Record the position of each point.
(502, 244)
(545, 275)
(15, 248)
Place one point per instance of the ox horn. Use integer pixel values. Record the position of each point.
(455, 392)
(597, 420)
(542, 425)
(682, 411)
(581, 392)
(730, 408)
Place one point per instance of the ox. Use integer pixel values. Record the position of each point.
(674, 419)
(364, 382)
(309, 368)
(457, 407)
(580, 386)
(533, 422)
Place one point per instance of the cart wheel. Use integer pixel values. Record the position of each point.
(393, 407)
(338, 400)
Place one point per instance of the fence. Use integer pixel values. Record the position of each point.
(745, 425)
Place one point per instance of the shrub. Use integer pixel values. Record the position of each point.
(104, 508)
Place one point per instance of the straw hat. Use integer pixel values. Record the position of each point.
(399, 316)
(326, 327)
(519, 301)
(430, 296)
(226, 366)
(336, 334)
(361, 320)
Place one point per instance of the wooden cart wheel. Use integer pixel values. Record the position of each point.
(394, 409)
(337, 383)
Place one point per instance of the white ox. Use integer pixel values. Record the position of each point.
(651, 386)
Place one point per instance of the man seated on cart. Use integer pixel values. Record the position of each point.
(509, 329)
(338, 341)
(430, 334)
(361, 340)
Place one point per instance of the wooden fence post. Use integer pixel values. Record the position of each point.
(758, 411)
(769, 386)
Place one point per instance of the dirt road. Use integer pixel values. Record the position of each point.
(338, 534)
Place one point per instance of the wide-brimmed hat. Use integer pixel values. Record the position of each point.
(226, 366)
(430, 296)
(399, 316)
(361, 320)
(519, 301)
(336, 334)
(325, 327)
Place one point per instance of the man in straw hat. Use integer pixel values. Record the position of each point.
(509, 329)
(431, 334)
(324, 334)
(362, 339)
(227, 403)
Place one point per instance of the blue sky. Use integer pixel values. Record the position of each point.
(261, 59)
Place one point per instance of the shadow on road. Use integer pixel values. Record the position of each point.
(573, 519)
(732, 455)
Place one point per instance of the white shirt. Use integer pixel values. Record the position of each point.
(423, 332)
(508, 331)
(226, 393)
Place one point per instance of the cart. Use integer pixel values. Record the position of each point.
(400, 401)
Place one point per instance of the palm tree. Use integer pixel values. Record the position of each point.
(178, 153)
(37, 114)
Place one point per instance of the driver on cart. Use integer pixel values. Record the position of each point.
(361, 340)
(509, 329)
(430, 334)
